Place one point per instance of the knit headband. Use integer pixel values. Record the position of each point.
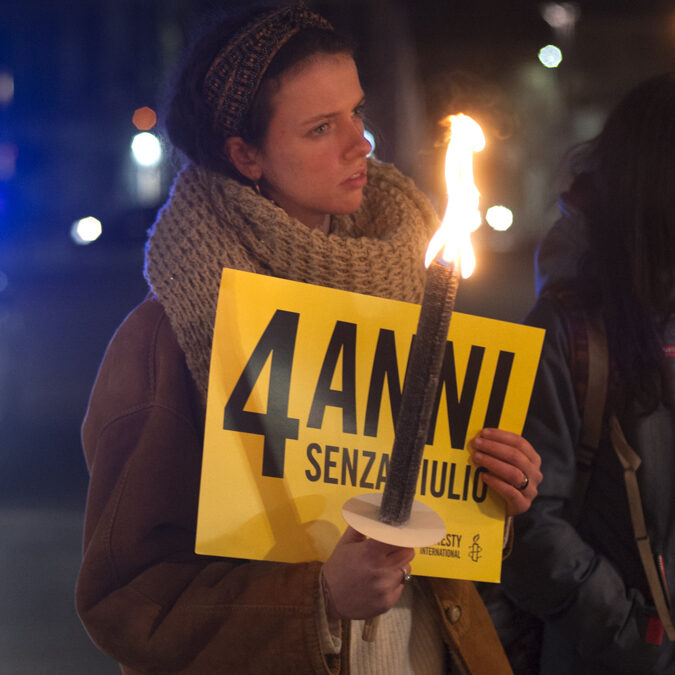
(235, 74)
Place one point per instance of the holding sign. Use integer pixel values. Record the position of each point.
(305, 386)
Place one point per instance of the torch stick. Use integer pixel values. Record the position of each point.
(419, 392)
(412, 426)
(395, 517)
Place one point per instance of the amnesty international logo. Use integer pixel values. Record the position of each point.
(475, 549)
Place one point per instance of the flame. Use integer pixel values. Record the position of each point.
(461, 214)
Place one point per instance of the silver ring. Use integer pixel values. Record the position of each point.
(405, 576)
(525, 483)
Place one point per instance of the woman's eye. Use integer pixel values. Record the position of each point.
(321, 129)
(358, 111)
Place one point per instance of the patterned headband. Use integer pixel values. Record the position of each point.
(235, 74)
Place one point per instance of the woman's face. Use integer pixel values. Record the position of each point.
(312, 161)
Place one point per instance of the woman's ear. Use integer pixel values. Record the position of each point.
(243, 158)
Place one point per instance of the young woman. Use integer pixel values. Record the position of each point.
(613, 253)
(268, 111)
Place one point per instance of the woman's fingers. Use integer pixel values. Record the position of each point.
(365, 577)
(351, 536)
(513, 467)
(508, 446)
(517, 501)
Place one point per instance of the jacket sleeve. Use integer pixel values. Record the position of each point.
(143, 595)
(552, 572)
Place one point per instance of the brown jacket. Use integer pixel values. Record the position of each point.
(143, 594)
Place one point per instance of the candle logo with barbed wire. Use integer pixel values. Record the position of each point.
(475, 549)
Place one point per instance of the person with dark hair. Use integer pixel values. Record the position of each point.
(268, 111)
(585, 564)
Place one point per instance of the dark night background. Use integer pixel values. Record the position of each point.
(71, 76)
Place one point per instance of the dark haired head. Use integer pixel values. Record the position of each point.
(195, 121)
(631, 217)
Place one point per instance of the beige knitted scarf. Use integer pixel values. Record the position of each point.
(211, 222)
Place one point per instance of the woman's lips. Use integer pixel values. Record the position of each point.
(356, 180)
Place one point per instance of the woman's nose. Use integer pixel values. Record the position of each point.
(357, 144)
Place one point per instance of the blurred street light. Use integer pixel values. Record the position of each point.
(560, 15)
(499, 218)
(550, 56)
(146, 149)
(144, 118)
(86, 230)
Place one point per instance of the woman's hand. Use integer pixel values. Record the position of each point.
(364, 577)
(513, 467)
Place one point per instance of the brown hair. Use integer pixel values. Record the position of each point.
(630, 209)
(191, 124)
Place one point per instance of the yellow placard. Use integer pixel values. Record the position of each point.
(299, 419)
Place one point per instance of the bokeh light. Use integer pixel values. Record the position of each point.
(560, 15)
(550, 56)
(86, 230)
(144, 118)
(499, 218)
(146, 149)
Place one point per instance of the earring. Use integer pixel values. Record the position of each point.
(256, 187)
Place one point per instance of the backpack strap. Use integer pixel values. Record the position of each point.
(592, 410)
(589, 365)
(630, 461)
